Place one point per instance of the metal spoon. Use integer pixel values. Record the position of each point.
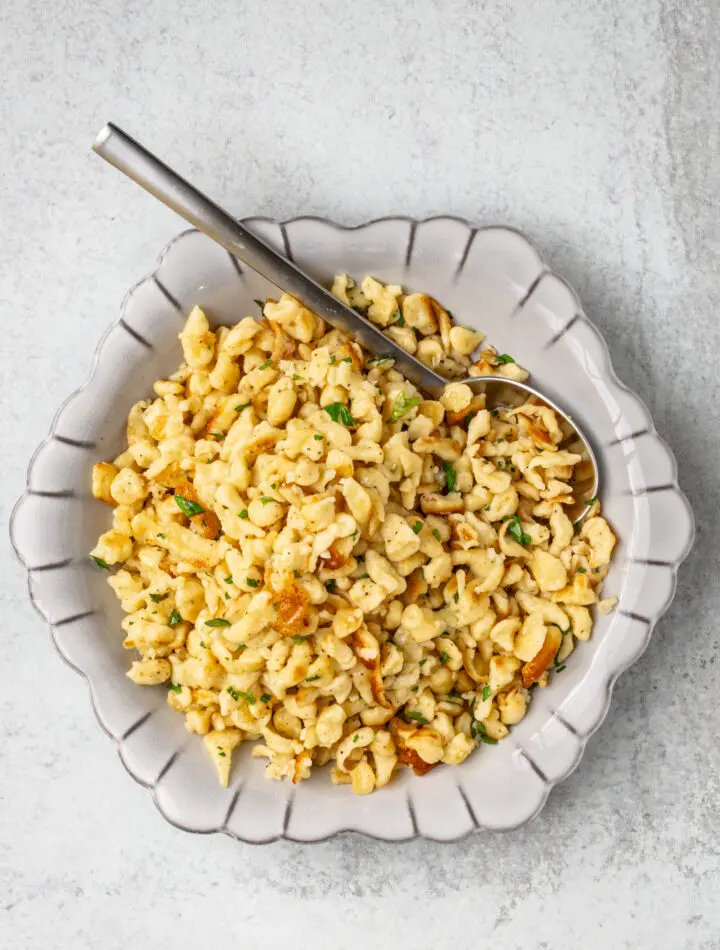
(135, 161)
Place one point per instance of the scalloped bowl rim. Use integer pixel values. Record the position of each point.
(609, 372)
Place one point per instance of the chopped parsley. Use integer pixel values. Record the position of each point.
(436, 534)
(298, 379)
(381, 361)
(333, 359)
(450, 477)
(318, 438)
(356, 737)
(330, 586)
(175, 687)
(156, 598)
(251, 582)
(478, 731)
(265, 698)
(228, 579)
(403, 405)
(444, 658)
(515, 530)
(559, 669)
(175, 618)
(265, 364)
(203, 645)
(418, 717)
(297, 573)
(298, 639)
(217, 622)
(581, 570)
(100, 563)
(218, 435)
(503, 358)
(591, 501)
(486, 693)
(265, 500)
(188, 507)
(234, 693)
(162, 536)
(260, 304)
(243, 513)
(394, 468)
(417, 527)
(242, 406)
(311, 679)
(423, 662)
(221, 752)
(339, 413)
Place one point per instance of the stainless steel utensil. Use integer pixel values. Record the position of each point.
(135, 161)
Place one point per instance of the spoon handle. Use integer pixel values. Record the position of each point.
(144, 168)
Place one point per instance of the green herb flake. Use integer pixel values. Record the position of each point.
(298, 639)
(311, 679)
(450, 477)
(188, 508)
(298, 379)
(251, 582)
(156, 598)
(423, 662)
(203, 645)
(265, 364)
(559, 669)
(356, 737)
(394, 468)
(486, 693)
(265, 698)
(591, 501)
(318, 438)
(515, 530)
(265, 500)
(333, 359)
(339, 413)
(418, 717)
(162, 536)
(234, 693)
(175, 618)
(217, 622)
(228, 579)
(436, 534)
(244, 513)
(330, 586)
(175, 687)
(221, 752)
(261, 304)
(444, 658)
(478, 731)
(218, 435)
(503, 358)
(581, 570)
(100, 563)
(402, 406)
(242, 406)
(381, 361)
(417, 527)
(297, 573)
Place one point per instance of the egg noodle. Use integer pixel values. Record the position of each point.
(316, 558)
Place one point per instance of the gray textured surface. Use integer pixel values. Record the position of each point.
(591, 126)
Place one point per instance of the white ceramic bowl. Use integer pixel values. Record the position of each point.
(490, 278)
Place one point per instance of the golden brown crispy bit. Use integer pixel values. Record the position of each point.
(534, 669)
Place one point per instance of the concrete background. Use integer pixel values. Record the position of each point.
(592, 126)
